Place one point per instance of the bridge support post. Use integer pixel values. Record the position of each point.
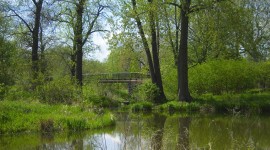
(131, 87)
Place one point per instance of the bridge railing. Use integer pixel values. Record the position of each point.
(118, 76)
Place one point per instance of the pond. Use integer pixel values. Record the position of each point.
(155, 131)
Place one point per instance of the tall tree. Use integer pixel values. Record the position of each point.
(182, 61)
(182, 54)
(153, 59)
(79, 39)
(34, 30)
(83, 20)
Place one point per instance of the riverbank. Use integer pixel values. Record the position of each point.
(21, 116)
(208, 103)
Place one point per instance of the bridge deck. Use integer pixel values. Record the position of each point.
(120, 77)
(120, 81)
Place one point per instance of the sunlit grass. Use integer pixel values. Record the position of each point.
(19, 116)
(231, 103)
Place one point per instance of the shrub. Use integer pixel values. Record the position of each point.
(58, 91)
(173, 106)
(146, 92)
(223, 76)
(263, 77)
(142, 106)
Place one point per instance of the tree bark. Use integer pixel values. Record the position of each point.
(182, 68)
(73, 60)
(79, 40)
(155, 51)
(35, 35)
(145, 44)
(153, 63)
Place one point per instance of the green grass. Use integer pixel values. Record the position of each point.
(247, 102)
(231, 103)
(20, 116)
(173, 106)
(141, 106)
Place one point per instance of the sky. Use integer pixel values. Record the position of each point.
(103, 53)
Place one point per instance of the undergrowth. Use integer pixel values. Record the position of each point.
(19, 116)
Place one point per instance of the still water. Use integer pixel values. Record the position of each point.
(155, 131)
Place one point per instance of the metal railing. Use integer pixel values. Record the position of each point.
(118, 76)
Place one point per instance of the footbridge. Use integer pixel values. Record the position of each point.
(118, 77)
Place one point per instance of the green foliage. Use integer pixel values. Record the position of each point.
(229, 103)
(173, 106)
(76, 124)
(236, 103)
(92, 94)
(141, 106)
(58, 91)
(222, 76)
(7, 65)
(146, 91)
(19, 116)
(263, 75)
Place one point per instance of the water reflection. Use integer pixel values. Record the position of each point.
(184, 123)
(156, 132)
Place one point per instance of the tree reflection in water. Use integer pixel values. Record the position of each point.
(156, 132)
(158, 129)
(183, 141)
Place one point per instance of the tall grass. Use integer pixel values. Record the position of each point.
(19, 116)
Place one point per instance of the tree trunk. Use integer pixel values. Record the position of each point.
(182, 68)
(79, 41)
(73, 60)
(145, 44)
(43, 63)
(154, 66)
(35, 39)
(155, 50)
(183, 141)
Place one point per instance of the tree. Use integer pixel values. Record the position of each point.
(34, 29)
(254, 37)
(186, 9)
(153, 59)
(182, 66)
(83, 20)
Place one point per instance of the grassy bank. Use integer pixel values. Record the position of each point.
(227, 103)
(20, 116)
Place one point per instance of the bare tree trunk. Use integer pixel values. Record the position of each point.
(43, 63)
(183, 93)
(155, 51)
(79, 41)
(145, 44)
(153, 63)
(73, 60)
(35, 35)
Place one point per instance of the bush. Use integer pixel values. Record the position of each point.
(224, 76)
(173, 106)
(146, 92)
(263, 77)
(58, 91)
(142, 106)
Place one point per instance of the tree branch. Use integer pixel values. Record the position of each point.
(196, 8)
(91, 25)
(174, 4)
(16, 14)
(35, 2)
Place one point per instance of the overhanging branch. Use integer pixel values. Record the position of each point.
(16, 14)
